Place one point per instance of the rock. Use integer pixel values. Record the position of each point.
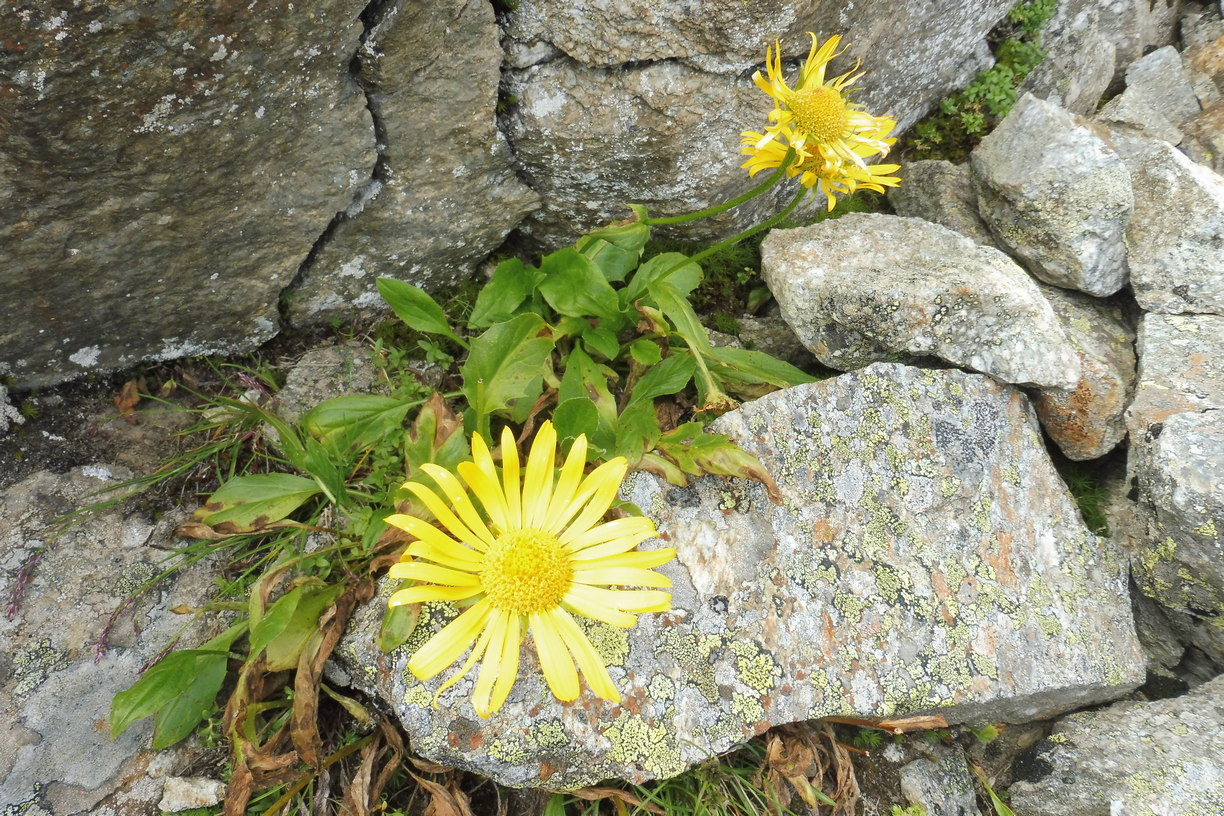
(1078, 65)
(941, 192)
(1174, 251)
(188, 792)
(771, 334)
(863, 288)
(663, 134)
(1136, 26)
(1158, 98)
(65, 591)
(942, 784)
(326, 372)
(926, 557)
(166, 171)
(1133, 757)
(443, 195)
(1056, 195)
(931, 50)
(1181, 368)
(9, 415)
(1087, 423)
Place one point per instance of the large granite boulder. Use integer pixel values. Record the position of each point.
(925, 557)
(166, 169)
(443, 195)
(864, 288)
(69, 644)
(1056, 195)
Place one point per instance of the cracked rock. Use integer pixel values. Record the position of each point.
(941, 192)
(926, 557)
(864, 288)
(1056, 196)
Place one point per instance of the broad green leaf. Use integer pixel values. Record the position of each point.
(603, 341)
(615, 249)
(575, 417)
(645, 352)
(637, 431)
(676, 308)
(290, 622)
(670, 268)
(587, 381)
(247, 503)
(575, 287)
(666, 378)
(355, 420)
(436, 436)
(398, 624)
(761, 366)
(328, 469)
(505, 369)
(415, 307)
(696, 452)
(191, 673)
(499, 299)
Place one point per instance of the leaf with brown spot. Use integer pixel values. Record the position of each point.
(598, 794)
(128, 398)
(248, 503)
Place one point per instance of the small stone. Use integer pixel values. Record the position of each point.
(941, 192)
(1056, 195)
(942, 784)
(187, 792)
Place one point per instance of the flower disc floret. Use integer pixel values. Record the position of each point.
(523, 551)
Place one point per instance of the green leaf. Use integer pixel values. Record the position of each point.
(247, 503)
(505, 369)
(645, 352)
(575, 287)
(637, 431)
(575, 417)
(696, 452)
(587, 381)
(416, 308)
(288, 624)
(615, 249)
(398, 624)
(328, 469)
(670, 268)
(499, 299)
(603, 341)
(760, 367)
(676, 308)
(355, 420)
(186, 681)
(666, 378)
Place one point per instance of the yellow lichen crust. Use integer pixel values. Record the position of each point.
(636, 742)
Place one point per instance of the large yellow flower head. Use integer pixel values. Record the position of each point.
(532, 555)
(832, 137)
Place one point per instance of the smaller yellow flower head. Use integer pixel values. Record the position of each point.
(533, 554)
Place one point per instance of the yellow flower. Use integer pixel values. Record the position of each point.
(832, 137)
(530, 557)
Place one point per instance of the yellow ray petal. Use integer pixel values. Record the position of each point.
(478, 652)
(434, 574)
(584, 653)
(639, 528)
(507, 671)
(605, 485)
(586, 602)
(611, 472)
(445, 647)
(431, 592)
(510, 479)
(614, 547)
(459, 500)
(555, 660)
(569, 478)
(621, 576)
(448, 554)
(644, 559)
(491, 662)
(488, 490)
(538, 478)
(444, 516)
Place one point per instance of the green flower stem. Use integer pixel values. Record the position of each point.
(735, 202)
(748, 233)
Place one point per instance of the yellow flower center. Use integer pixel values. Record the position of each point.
(526, 571)
(821, 113)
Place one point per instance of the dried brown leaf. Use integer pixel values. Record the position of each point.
(598, 794)
(128, 398)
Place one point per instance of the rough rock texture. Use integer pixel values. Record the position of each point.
(863, 288)
(926, 557)
(645, 101)
(9, 415)
(56, 754)
(1087, 423)
(932, 48)
(1203, 36)
(1139, 759)
(941, 783)
(1159, 96)
(1181, 368)
(1079, 62)
(941, 192)
(1135, 26)
(1175, 251)
(166, 168)
(1056, 195)
(590, 140)
(325, 372)
(443, 195)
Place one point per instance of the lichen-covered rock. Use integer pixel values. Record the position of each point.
(925, 557)
(941, 192)
(1158, 99)
(1136, 26)
(1176, 236)
(328, 371)
(1079, 59)
(166, 169)
(941, 783)
(1181, 368)
(1056, 195)
(1087, 423)
(1141, 758)
(864, 288)
(443, 194)
(56, 685)
(8, 414)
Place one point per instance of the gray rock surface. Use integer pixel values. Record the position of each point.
(1135, 26)
(1181, 368)
(1087, 423)
(1079, 59)
(9, 415)
(165, 171)
(941, 783)
(443, 195)
(1175, 252)
(863, 288)
(181, 793)
(325, 372)
(941, 192)
(1143, 758)
(1055, 194)
(55, 685)
(1159, 96)
(925, 557)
